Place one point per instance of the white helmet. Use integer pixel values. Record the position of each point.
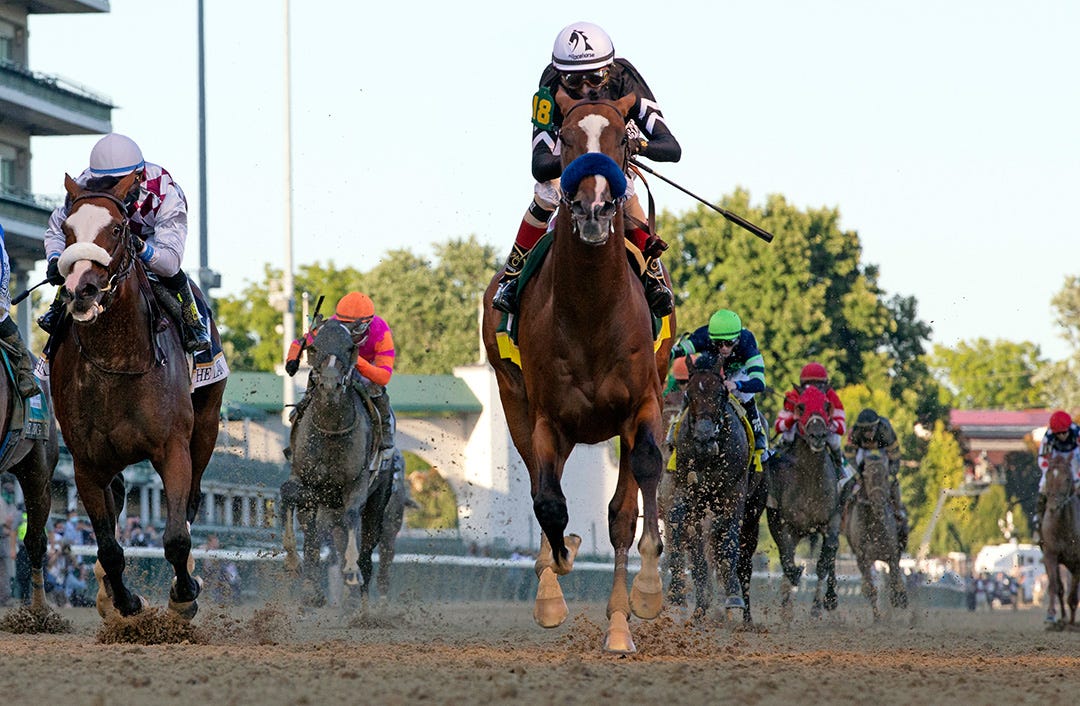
(582, 46)
(115, 155)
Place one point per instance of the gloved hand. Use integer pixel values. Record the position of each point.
(654, 247)
(52, 272)
(635, 143)
(291, 366)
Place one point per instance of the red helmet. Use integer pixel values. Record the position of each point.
(812, 372)
(1060, 421)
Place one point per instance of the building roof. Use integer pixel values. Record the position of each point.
(996, 423)
(255, 394)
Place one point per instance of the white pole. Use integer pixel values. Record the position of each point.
(289, 323)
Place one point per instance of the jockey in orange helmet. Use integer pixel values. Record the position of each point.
(815, 374)
(1062, 436)
(374, 360)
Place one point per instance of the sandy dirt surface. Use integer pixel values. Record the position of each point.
(463, 653)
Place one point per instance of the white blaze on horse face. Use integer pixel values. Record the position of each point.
(88, 221)
(71, 282)
(593, 127)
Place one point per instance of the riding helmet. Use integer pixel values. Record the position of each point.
(724, 325)
(867, 418)
(813, 372)
(115, 155)
(1060, 421)
(582, 46)
(353, 306)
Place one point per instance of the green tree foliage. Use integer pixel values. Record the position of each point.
(1021, 485)
(983, 374)
(942, 467)
(1060, 380)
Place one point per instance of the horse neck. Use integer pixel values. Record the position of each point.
(597, 274)
(122, 331)
(810, 468)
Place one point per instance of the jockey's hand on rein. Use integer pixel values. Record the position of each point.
(291, 366)
(52, 272)
(654, 247)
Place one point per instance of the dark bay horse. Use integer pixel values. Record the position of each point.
(713, 479)
(1061, 539)
(393, 521)
(802, 482)
(872, 532)
(32, 462)
(588, 371)
(121, 386)
(673, 562)
(332, 489)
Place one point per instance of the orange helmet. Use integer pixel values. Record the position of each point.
(353, 306)
(813, 372)
(1060, 421)
(679, 370)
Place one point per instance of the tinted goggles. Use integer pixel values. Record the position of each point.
(577, 79)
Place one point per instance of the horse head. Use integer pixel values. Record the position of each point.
(874, 477)
(332, 355)
(99, 250)
(1059, 479)
(706, 398)
(812, 411)
(593, 150)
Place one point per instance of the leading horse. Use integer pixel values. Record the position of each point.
(802, 484)
(121, 386)
(332, 488)
(588, 371)
(713, 478)
(872, 532)
(1061, 539)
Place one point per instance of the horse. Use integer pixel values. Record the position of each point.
(1061, 539)
(332, 488)
(673, 562)
(393, 521)
(806, 501)
(872, 531)
(589, 370)
(122, 391)
(713, 477)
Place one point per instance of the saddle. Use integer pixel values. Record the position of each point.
(29, 418)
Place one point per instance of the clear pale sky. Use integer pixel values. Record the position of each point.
(945, 133)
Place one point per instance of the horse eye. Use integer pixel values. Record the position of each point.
(117, 229)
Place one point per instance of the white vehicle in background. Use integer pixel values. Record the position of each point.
(1019, 561)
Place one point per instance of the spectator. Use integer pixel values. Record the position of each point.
(71, 527)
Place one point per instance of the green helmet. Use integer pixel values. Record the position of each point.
(724, 325)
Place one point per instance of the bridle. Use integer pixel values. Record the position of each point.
(340, 382)
(124, 246)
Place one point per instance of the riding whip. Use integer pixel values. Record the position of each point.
(25, 294)
(733, 217)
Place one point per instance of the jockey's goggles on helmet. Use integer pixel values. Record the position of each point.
(721, 343)
(577, 79)
(359, 328)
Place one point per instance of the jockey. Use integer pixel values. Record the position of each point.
(678, 375)
(725, 340)
(583, 64)
(874, 433)
(816, 375)
(374, 361)
(21, 360)
(1062, 436)
(157, 213)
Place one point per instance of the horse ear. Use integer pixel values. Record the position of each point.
(124, 186)
(625, 103)
(71, 187)
(563, 100)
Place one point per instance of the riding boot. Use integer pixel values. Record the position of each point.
(843, 473)
(51, 319)
(176, 296)
(761, 441)
(506, 294)
(657, 294)
(382, 403)
(1036, 521)
(22, 360)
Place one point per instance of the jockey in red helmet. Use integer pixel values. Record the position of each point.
(815, 374)
(1062, 436)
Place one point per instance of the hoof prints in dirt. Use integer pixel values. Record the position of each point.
(28, 620)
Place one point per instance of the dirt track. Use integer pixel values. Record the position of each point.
(493, 653)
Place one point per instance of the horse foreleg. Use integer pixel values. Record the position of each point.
(387, 540)
(699, 565)
(646, 464)
(748, 539)
(785, 545)
(288, 540)
(675, 542)
(826, 567)
(549, 505)
(727, 530)
(1053, 590)
(622, 516)
(175, 473)
(351, 561)
(34, 480)
(371, 528)
(549, 609)
(869, 588)
(112, 594)
(1074, 597)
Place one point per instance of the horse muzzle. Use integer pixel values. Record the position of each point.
(85, 305)
(594, 222)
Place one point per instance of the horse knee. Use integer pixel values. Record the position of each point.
(646, 461)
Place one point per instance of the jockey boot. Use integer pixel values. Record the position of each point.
(761, 441)
(22, 361)
(176, 296)
(506, 294)
(661, 300)
(843, 472)
(382, 403)
(1036, 521)
(50, 320)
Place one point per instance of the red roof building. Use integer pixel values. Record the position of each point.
(990, 434)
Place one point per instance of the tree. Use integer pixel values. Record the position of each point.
(1061, 379)
(990, 375)
(942, 467)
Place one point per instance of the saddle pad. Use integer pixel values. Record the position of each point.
(208, 366)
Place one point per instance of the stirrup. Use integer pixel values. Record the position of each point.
(660, 299)
(505, 298)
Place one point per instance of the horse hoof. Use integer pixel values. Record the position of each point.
(549, 610)
(618, 639)
(185, 609)
(734, 602)
(351, 579)
(646, 596)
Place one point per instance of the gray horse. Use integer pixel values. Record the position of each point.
(872, 532)
(332, 487)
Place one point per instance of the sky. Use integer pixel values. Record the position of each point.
(946, 134)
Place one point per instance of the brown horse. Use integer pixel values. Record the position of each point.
(713, 480)
(32, 462)
(673, 562)
(807, 502)
(872, 532)
(588, 371)
(1061, 539)
(121, 386)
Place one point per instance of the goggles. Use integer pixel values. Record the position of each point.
(359, 328)
(720, 343)
(577, 79)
